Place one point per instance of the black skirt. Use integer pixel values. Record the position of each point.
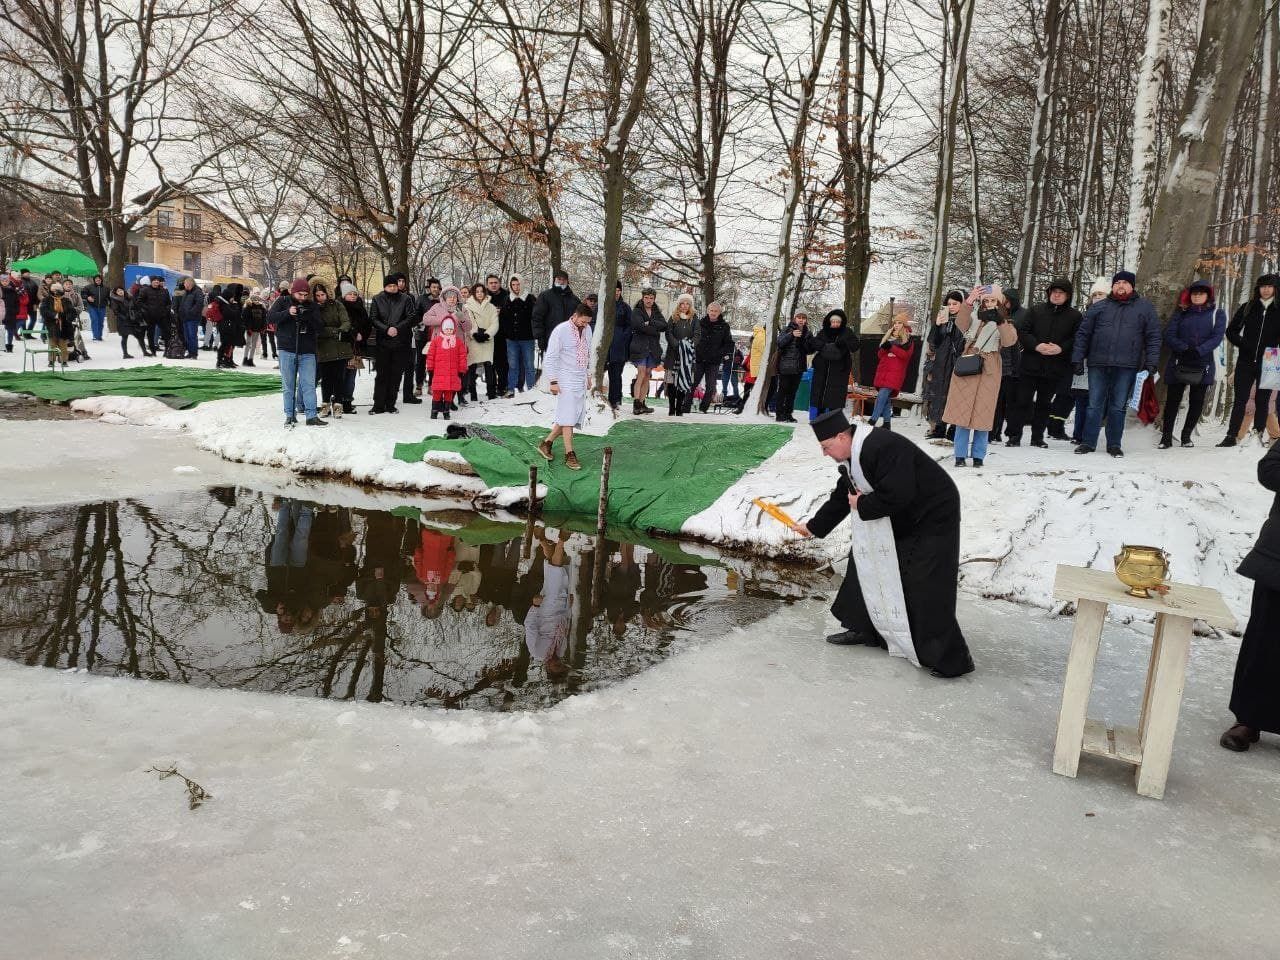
(1255, 694)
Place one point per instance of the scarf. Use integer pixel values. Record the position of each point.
(57, 303)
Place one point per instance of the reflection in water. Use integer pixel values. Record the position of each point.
(236, 589)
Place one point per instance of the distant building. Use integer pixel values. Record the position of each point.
(195, 238)
(878, 322)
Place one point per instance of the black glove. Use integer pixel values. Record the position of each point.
(1151, 370)
(480, 336)
(1079, 369)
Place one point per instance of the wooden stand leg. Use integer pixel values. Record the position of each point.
(1161, 720)
(1090, 616)
(1157, 640)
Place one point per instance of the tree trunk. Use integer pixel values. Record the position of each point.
(961, 17)
(975, 197)
(1257, 232)
(1037, 162)
(795, 188)
(1146, 108)
(1184, 203)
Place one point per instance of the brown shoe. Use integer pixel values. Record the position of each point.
(1239, 737)
(544, 448)
(571, 461)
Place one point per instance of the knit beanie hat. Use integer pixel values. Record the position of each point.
(1100, 288)
(1126, 275)
(345, 288)
(299, 286)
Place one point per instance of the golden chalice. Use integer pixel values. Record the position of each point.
(1142, 569)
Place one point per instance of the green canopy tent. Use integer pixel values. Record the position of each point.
(70, 263)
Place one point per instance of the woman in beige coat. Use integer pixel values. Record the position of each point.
(484, 326)
(971, 401)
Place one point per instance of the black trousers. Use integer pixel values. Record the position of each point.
(1195, 406)
(788, 384)
(473, 374)
(1034, 399)
(269, 337)
(124, 342)
(407, 373)
(1005, 403)
(500, 369)
(386, 378)
(1246, 376)
(333, 375)
(615, 382)
(708, 374)
(419, 367)
(1061, 407)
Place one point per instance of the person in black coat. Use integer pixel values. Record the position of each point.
(153, 310)
(515, 323)
(794, 346)
(1255, 692)
(647, 323)
(833, 363)
(553, 307)
(1255, 326)
(712, 346)
(619, 347)
(1046, 333)
(393, 318)
(923, 506)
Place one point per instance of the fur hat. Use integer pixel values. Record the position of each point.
(448, 290)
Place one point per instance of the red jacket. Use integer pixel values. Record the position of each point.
(894, 361)
(446, 366)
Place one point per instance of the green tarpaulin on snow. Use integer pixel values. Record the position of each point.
(662, 474)
(175, 386)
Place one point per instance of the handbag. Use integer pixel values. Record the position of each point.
(969, 365)
(1187, 374)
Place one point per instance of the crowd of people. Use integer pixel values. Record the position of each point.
(992, 369)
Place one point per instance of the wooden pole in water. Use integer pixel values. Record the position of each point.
(527, 546)
(604, 489)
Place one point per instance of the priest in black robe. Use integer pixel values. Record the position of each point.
(923, 507)
(1255, 692)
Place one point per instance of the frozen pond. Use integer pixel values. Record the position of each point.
(231, 587)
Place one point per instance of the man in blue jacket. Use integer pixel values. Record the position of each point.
(1119, 336)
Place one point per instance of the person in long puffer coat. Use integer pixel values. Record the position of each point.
(971, 401)
(833, 363)
(944, 343)
(446, 365)
(484, 327)
(1193, 333)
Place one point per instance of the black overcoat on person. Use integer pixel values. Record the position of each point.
(946, 343)
(231, 316)
(646, 329)
(832, 365)
(793, 351)
(1256, 325)
(553, 307)
(923, 505)
(1255, 693)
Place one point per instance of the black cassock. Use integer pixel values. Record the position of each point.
(923, 505)
(1255, 694)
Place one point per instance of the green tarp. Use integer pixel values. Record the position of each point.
(663, 473)
(176, 386)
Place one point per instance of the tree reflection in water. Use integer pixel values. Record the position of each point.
(235, 588)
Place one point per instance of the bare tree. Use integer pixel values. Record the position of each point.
(109, 92)
(1142, 166)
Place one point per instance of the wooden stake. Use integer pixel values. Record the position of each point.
(533, 489)
(527, 546)
(604, 489)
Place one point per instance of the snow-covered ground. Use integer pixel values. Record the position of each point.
(1025, 512)
(763, 796)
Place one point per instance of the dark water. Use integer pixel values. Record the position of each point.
(235, 588)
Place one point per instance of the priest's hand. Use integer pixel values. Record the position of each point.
(853, 501)
(802, 529)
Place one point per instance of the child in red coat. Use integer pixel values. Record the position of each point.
(896, 351)
(446, 365)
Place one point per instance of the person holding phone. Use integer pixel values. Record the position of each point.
(978, 373)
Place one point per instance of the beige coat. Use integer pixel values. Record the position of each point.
(971, 402)
(484, 316)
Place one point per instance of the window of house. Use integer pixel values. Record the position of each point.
(164, 218)
(237, 265)
(191, 221)
(191, 262)
(134, 255)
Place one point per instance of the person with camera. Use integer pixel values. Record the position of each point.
(1193, 333)
(484, 324)
(333, 349)
(978, 373)
(297, 326)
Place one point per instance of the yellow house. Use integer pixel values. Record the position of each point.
(195, 238)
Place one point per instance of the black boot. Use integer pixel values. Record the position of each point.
(435, 409)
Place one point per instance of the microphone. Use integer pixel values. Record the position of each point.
(844, 472)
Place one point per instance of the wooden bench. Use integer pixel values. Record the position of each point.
(1149, 747)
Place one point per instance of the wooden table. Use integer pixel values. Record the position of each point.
(1149, 747)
